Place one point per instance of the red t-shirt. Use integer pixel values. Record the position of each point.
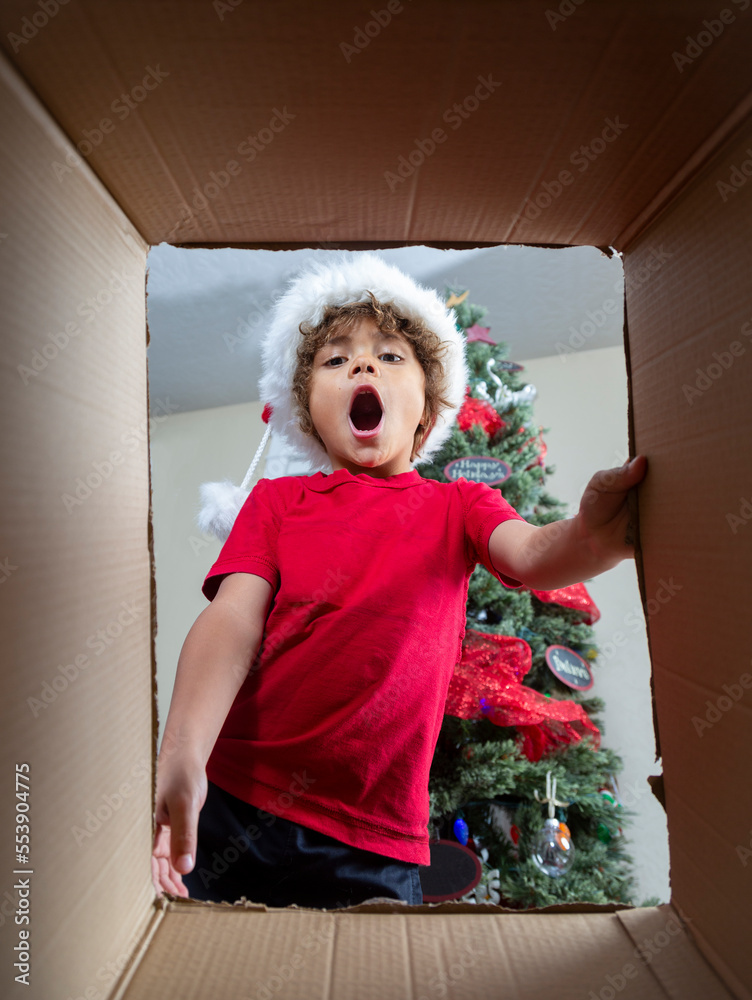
(336, 724)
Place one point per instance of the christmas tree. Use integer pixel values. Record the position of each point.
(506, 746)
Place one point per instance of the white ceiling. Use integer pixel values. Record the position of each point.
(207, 307)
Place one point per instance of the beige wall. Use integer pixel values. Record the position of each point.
(583, 400)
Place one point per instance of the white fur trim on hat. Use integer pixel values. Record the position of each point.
(345, 280)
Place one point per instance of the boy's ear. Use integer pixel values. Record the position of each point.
(426, 431)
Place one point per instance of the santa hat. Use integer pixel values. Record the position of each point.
(340, 281)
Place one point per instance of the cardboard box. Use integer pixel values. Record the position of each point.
(284, 124)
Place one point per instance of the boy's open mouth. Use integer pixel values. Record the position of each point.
(366, 411)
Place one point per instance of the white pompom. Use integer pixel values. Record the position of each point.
(220, 504)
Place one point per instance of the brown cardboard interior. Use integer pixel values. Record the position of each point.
(76, 604)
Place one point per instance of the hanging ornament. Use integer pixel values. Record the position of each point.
(479, 411)
(480, 333)
(553, 850)
(455, 300)
(526, 394)
(500, 387)
(603, 832)
(461, 830)
(501, 816)
(608, 796)
(478, 469)
(569, 667)
(482, 389)
(540, 458)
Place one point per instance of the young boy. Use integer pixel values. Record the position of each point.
(309, 694)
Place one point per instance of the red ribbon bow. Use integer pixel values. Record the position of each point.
(487, 683)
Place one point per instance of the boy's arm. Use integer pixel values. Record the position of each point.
(214, 661)
(576, 548)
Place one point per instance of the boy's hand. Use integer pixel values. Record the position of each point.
(604, 514)
(575, 548)
(181, 793)
(163, 874)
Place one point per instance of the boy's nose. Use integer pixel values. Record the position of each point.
(363, 363)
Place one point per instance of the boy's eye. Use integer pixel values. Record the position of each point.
(338, 360)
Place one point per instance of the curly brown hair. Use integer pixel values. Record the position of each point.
(428, 348)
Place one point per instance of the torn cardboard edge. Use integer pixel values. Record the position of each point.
(384, 904)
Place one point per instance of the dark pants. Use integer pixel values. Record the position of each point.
(244, 851)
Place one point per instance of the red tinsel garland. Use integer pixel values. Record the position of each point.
(487, 683)
(574, 596)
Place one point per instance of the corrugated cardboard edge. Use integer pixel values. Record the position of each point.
(673, 968)
(655, 781)
(142, 947)
(721, 970)
(152, 587)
